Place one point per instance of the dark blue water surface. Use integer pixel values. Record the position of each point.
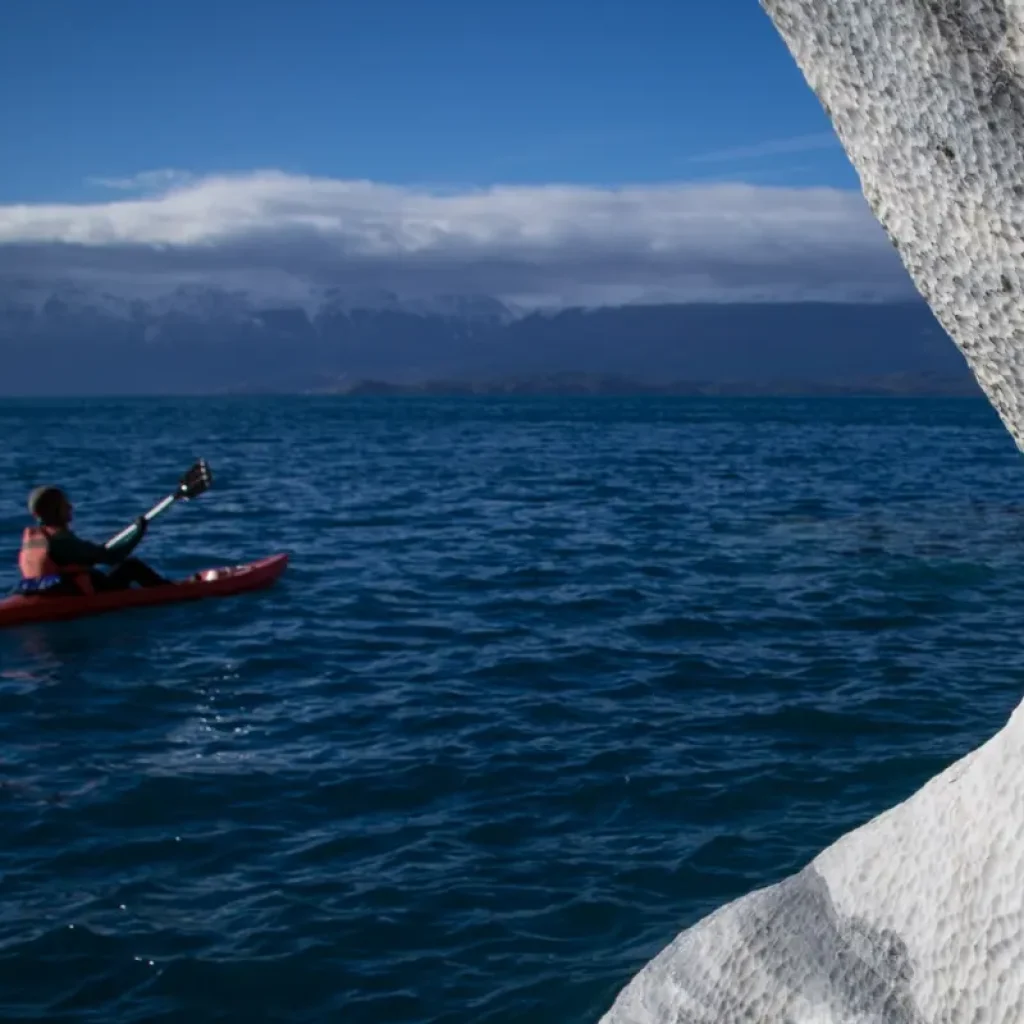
(546, 681)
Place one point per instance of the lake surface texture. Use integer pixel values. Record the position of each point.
(546, 681)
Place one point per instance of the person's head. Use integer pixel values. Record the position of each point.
(51, 506)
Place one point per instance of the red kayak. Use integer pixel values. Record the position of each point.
(221, 582)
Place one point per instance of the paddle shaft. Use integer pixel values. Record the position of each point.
(192, 484)
(160, 506)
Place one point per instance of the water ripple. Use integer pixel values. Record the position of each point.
(546, 682)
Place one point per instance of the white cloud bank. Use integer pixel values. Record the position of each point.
(532, 245)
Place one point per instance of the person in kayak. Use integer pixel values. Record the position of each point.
(51, 549)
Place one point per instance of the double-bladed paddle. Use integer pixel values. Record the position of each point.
(198, 479)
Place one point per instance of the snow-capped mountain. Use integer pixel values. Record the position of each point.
(84, 337)
(138, 300)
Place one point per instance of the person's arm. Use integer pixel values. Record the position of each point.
(67, 549)
(122, 549)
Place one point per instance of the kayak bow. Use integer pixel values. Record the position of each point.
(224, 581)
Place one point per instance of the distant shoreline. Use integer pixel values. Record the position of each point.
(851, 395)
(571, 385)
(568, 385)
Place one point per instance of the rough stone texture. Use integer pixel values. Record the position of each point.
(918, 916)
(927, 97)
(915, 918)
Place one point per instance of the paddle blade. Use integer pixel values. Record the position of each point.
(197, 480)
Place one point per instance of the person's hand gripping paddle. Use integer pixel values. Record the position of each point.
(196, 481)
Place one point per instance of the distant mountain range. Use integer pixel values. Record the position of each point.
(583, 384)
(70, 339)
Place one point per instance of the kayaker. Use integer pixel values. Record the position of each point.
(51, 549)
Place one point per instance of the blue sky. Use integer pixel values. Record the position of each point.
(404, 91)
(547, 154)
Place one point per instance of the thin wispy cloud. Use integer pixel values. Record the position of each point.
(146, 181)
(770, 147)
(543, 245)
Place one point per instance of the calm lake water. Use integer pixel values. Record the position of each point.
(546, 681)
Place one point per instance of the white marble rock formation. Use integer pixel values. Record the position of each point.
(917, 917)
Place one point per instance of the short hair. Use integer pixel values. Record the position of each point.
(45, 502)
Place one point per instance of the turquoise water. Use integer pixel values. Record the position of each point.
(546, 681)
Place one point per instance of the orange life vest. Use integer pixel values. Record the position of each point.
(34, 560)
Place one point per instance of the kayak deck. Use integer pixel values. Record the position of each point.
(222, 581)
